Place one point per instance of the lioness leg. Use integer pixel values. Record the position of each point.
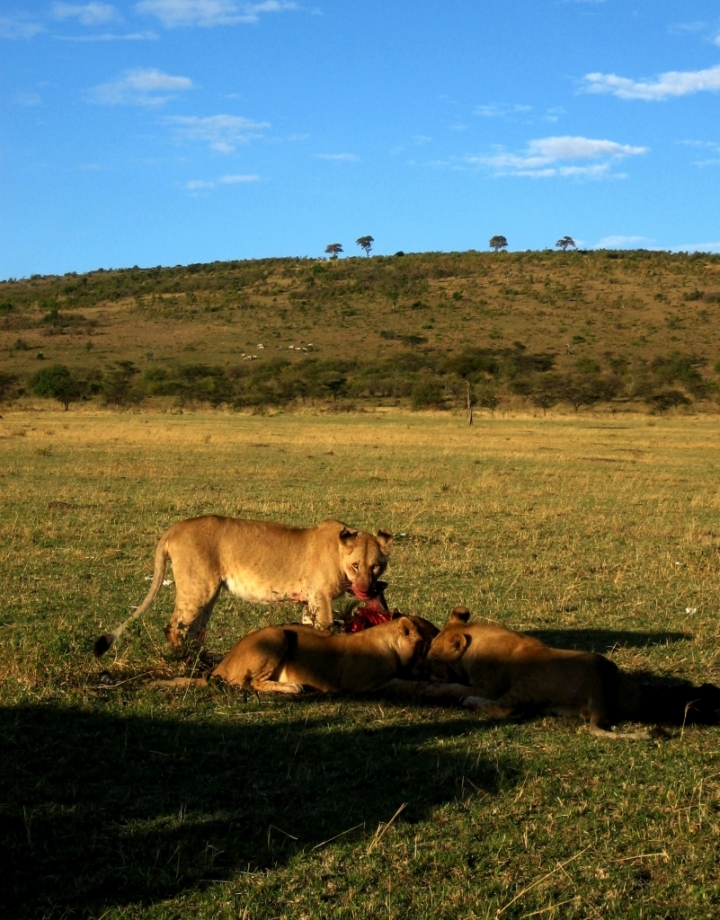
(448, 691)
(596, 727)
(494, 709)
(275, 686)
(425, 689)
(180, 682)
(191, 615)
(317, 612)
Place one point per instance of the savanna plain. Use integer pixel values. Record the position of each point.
(119, 800)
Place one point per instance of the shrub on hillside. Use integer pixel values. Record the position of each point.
(426, 393)
(117, 384)
(57, 382)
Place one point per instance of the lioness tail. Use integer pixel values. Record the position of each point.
(161, 555)
(650, 734)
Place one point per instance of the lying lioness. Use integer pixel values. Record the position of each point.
(508, 672)
(260, 562)
(290, 659)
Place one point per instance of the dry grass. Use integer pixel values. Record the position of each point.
(600, 533)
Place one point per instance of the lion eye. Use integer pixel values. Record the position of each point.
(356, 566)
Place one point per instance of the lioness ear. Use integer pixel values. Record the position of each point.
(385, 540)
(347, 535)
(459, 644)
(459, 615)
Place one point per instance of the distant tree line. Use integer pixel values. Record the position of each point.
(485, 377)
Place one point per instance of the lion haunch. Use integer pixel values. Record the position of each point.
(260, 562)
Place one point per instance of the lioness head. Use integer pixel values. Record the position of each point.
(446, 650)
(364, 559)
(427, 631)
(409, 640)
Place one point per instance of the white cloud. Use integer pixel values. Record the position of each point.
(338, 157)
(581, 148)
(88, 14)
(621, 242)
(711, 147)
(19, 26)
(110, 37)
(679, 28)
(27, 99)
(176, 13)
(221, 133)
(674, 83)
(496, 110)
(236, 180)
(585, 172)
(201, 184)
(142, 86)
(518, 112)
(555, 113)
(543, 158)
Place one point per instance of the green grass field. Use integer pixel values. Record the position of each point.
(121, 801)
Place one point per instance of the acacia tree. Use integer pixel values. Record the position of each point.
(334, 249)
(497, 243)
(365, 243)
(565, 242)
(57, 382)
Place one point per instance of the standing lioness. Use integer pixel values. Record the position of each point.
(261, 562)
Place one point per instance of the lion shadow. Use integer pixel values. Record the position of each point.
(604, 641)
(105, 810)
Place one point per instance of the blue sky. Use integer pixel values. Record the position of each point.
(163, 132)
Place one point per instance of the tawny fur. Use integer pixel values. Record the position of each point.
(506, 672)
(290, 659)
(260, 562)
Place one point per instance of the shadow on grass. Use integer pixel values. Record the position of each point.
(604, 640)
(101, 810)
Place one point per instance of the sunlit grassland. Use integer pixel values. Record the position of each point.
(596, 532)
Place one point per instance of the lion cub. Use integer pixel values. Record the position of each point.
(507, 672)
(260, 562)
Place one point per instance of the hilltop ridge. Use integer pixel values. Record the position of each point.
(543, 327)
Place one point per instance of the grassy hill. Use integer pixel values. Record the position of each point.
(537, 328)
